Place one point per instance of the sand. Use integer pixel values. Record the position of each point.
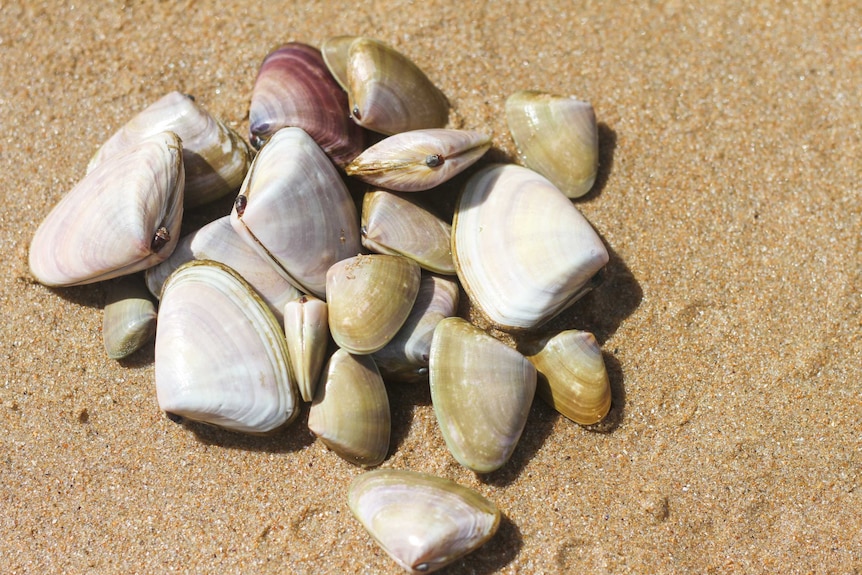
(728, 195)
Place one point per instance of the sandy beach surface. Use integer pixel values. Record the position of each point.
(729, 198)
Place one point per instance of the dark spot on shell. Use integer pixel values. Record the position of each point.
(240, 204)
(356, 114)
(160, 239)
(364, 231)
(421, 567)
(434, 160)
(256, 141)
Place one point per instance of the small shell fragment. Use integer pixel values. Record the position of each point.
(420, 159)
(573, 379)
(350, 411)
(557, 137)
(423, 522)
(221, 357)
(130, 316)
(481, 390)
(122, 217)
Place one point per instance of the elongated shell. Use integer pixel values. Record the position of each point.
(369, 300)
(420, 159)
(557, 137)
(397, 224)
(389, 93)
(122, 217)
(221, 357)
(294, 209)
(306, 328)
(294, 88)
(406, 357)
(219, 242)
(130, 316)
(215, 157)
(350, 412)
(573, 379)
(481, 390)
(423, 522)
(522, 250)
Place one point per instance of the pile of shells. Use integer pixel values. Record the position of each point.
(297, 296)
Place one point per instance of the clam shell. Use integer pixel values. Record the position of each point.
(335, 52)
(122, 217)
(294, 209)
(423, 522)
(557, 137)
(130, 316)
(481, 390)
(219, 242)
(573, 379)
(522, 250)
(388, 93)
(306, 328)
(215, 157)
(420, 159)
(294, 88)
(406, 357)
(221, 357)
(350, 412)
(369, 300)
(397, 224)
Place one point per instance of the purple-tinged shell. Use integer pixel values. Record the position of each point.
(295, 89)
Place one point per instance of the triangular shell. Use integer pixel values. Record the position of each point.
(523, 251)
(369, 300)
(389, 93)
(557, 137)
(306, 329)
(350, 412)
(122, 217)
(215, 157)
(573, 379)
(481, 390)
(398, 224)
(423, 522)
(295, 210)
(220, 354)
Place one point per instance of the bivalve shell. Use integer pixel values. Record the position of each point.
(388, 93)
(122, 217)
(130, 316)
(573, 379)
(481, 390)
(350, 412)
(215, 157)
(295, 88)
(522, 250)
(557, 137)
(295, 210)
(306, 328)
(221, 357)
(423, 522)
(420, 159)
(369, 300)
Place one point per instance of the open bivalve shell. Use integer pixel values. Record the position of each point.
(557, 137)
(294, 209)
(122, 217)
(522, 250)
(388, 93)
(420, 159)
(295, 88)
(219, 242)
(481, 390)
(398, 224)
(423, 522)
(215, 157)
(350, 411)
(369, 300)
(221, 356)
(573, 379)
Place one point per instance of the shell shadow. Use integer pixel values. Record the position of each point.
(291, 438)
(494, 555)
(403, 400)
